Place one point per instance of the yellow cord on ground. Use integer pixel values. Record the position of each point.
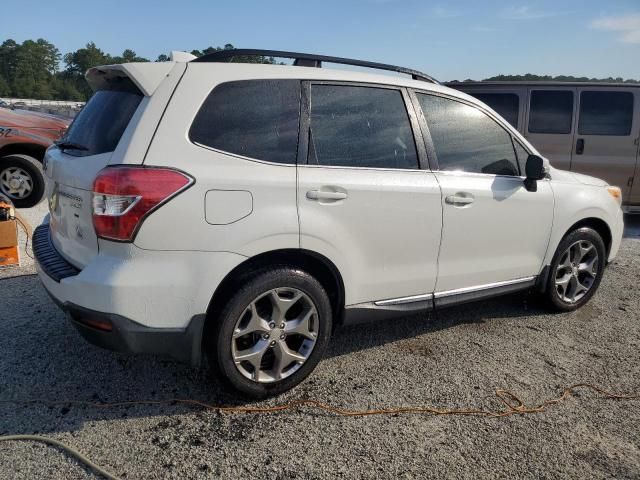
(514, 406)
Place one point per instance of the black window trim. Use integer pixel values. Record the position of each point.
(305, 122)
(604, 90)
(574, 110)
(237, 155)
(433, 157)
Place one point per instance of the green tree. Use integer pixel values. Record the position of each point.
(36, 64)
(530, 77)
(77, 63)
(5, 90)
(239, 58)
(83, 59)
(128, 56)
(8, 50)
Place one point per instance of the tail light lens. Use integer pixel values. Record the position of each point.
(124, 196)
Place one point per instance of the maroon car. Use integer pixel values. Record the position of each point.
(24, 137)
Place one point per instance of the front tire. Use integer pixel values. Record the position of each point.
(22, 180)
(576, 270)
(272, 333)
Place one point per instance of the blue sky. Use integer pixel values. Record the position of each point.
(448, 39)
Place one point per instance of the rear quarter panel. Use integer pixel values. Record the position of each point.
(182, 224)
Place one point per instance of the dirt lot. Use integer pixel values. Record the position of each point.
(455, 359)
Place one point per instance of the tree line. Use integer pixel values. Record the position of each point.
(530, 77)
(37, 69)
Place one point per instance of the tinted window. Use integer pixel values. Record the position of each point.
(506, 104)
(551, 111)
(253, 118)
(100, 124)
(360, 127)
(467, 139)
(605, 113)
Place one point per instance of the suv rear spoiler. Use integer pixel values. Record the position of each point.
(147, 76)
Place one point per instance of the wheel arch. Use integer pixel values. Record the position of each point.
(595, 223)
(317, 265)
(599, 226)
(32, 149)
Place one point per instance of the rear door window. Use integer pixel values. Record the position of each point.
(253, 118)
(507, 105)
(99, 126)
(467, 139)
(354, 126)
(605, 113)
(551, 111)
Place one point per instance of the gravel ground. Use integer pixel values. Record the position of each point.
(455, 360)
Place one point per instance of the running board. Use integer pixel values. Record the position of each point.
(417, 304)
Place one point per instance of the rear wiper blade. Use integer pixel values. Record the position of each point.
(62, 145)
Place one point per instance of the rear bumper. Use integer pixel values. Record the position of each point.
(133, 300)
(120, 334)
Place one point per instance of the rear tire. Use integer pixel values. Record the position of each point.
(272, 333)
(22, 180)
(576, 270)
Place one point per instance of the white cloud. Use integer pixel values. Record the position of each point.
(627, 26)
(525, 12)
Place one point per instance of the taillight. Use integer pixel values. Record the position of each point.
(124, 196)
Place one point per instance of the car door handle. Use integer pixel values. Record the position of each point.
(326, 195)
(580, 146)
(458, 200)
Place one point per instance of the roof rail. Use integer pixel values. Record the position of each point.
(310, 60)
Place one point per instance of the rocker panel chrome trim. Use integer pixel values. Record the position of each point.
(478, 288)
(403, 300)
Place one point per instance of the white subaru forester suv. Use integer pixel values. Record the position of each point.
(239, 212)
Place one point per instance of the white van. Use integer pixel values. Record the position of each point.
(586, 127)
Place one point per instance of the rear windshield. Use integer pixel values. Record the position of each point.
(100, 124)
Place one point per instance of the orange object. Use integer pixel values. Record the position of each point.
(9, 252)
(26, 127)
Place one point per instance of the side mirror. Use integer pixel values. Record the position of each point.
(534, 171)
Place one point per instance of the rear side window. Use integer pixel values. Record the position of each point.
(252, 118)
(466, 139)
(605, 113)
(551, 111)
(505, 104)
(100, 124)
(360, 127)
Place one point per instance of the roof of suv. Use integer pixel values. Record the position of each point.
(309, 60)
(148, 75)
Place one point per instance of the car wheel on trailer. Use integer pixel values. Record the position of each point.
(21, 179)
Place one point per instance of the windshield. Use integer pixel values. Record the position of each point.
(100, 124)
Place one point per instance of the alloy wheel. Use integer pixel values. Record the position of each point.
(275, 335)
(577, 271)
